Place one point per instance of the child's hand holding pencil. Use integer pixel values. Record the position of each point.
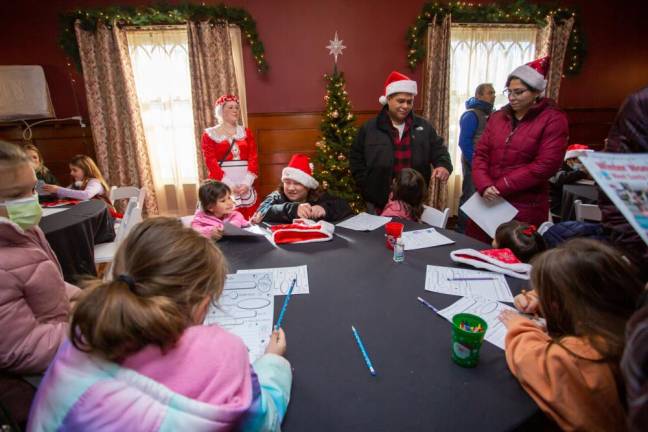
(527, 302)
(277, 344)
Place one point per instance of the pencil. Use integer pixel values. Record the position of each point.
(367, 360)
(471, 279)
(429, 305)
(285, 304)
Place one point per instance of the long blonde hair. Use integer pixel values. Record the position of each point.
(41, 169)
(162, 273)
(90, 171)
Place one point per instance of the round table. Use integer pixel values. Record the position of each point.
(73, 233)
(588, 194)
(354, 281)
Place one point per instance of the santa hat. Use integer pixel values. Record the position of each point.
(302, 231)
(533, 73)
(300, 170)
(497, 260)
(397, 83)
(218, 105)
(576, 150)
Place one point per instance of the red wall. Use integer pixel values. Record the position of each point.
(295, 33)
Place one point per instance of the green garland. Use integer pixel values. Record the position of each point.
(517, 12)
(161, 14)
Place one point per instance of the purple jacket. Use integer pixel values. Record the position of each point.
(629, 134)
(34, 300)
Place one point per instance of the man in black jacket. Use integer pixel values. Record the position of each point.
(394, 140)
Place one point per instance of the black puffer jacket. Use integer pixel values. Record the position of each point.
(372, 155)
(282, 210)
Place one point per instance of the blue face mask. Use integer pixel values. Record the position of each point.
(24, 212)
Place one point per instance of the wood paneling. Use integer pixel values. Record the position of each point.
(590, 125)
(278, 136)
(58, 142)
(281, 135)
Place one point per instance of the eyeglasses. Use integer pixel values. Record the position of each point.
(514, 93)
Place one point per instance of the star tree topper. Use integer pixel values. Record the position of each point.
(335, 47)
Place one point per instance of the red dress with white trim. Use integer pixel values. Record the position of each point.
(234, 161)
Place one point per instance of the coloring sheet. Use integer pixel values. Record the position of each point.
(488, 310)
(283, 277)
(479, 284)
(424, 238)
(246, 308)
(364, 222)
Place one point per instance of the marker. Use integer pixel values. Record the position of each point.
(430, 306)
(469, 279)
(367, 360)
(285, 304)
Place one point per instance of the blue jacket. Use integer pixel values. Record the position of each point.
(468, 125)
(563, 231)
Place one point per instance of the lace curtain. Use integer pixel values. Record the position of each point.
(161, 67)
(481, 54)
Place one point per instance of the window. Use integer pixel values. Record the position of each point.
(483, 54)
(160, 62)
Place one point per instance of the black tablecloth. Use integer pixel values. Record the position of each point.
(588, 194)
(354, 281)
(73, 234)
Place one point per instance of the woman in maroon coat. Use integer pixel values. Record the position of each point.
(523, 145)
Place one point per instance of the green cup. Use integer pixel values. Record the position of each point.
(466, 344)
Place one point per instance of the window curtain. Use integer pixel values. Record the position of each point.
(216, 65)
(160, 59)
(117, 130)
(552, 41)
(435, 91)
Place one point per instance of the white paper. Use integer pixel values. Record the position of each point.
(230, 230)
(424, 238)
(488, 214)
(49, 211)
(364, 222)
(246, 308)
(437, 280)
(282, 278)
(235, 170)
(486, 309)
(624, 179)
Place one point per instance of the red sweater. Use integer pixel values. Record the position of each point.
(215, 148)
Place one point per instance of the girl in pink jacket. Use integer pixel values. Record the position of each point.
(34, 298)
(139, 357)
(406, 196)
(216, 207)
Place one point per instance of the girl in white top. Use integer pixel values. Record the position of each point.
(88, 182)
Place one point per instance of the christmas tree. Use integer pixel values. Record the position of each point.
(338, 131)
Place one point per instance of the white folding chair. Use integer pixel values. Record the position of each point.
(434, 217)
(105, 252)
(123, 192)
(186, 220)
(587, 212)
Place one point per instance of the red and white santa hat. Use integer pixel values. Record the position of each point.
(576, 150)
(533, 73)
(397, 83)
(300, 169)
(218, 105)
(497, 260)
(302, 231)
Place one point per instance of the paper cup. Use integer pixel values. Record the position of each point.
(393, 231)
(466, 344)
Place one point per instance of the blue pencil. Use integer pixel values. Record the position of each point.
(429, 305)
(367, 360)
(285, 304)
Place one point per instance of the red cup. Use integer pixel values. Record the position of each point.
(394, 231)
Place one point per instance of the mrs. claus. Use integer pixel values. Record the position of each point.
(231, 154)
